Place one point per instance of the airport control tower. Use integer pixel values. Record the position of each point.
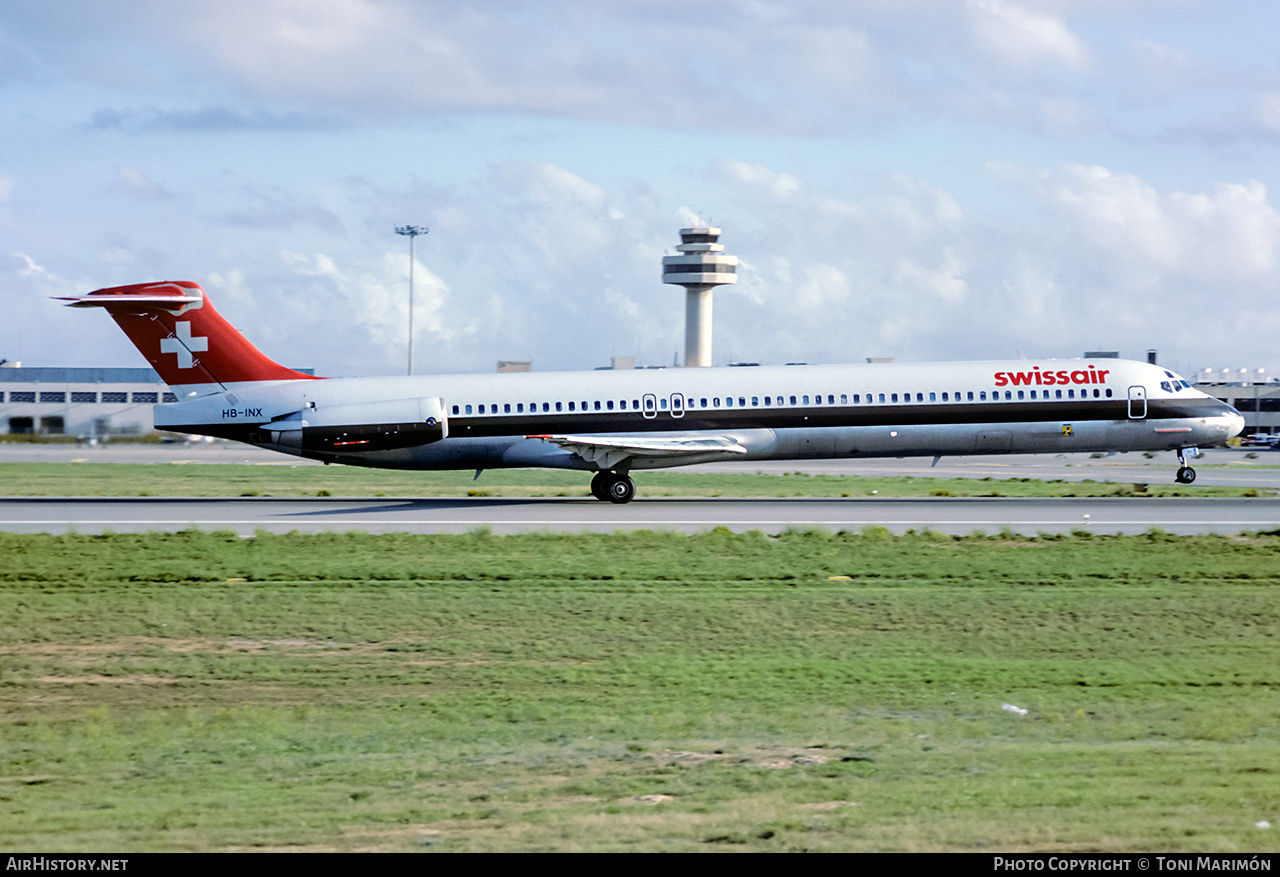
(700, 268)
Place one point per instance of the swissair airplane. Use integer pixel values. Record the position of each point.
(613, 422)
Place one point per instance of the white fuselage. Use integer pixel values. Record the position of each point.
(791, 412)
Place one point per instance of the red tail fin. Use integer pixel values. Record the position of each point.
(175, 326)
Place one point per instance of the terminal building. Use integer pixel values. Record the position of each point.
(1250, 392)
(85, 402)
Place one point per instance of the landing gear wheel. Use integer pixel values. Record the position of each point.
(600, 486)
(621, 489)
(1186, 475)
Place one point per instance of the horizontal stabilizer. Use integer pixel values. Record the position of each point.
(129, 302)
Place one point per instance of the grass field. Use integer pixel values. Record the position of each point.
(169, 479)
(642, 691)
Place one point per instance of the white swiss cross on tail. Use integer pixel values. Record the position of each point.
(184, 345)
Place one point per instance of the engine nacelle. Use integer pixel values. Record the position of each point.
(360, 427)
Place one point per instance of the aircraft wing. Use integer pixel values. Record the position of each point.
(607, 452)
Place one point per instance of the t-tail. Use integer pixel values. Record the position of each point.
(189, 344)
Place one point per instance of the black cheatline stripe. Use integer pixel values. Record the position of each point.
(722, 419)
(921, 414)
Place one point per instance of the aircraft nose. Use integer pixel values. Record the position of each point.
(1235, 424)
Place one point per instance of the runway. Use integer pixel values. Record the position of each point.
(951, 515)
(1232, 467)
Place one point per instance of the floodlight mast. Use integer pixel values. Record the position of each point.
(411, 232)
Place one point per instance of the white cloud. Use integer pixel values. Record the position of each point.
(1022, 38)
(773, 183)
(376, 297)
(1162, 62)
(136, 182)
(1229, 231)
(945, 282)
(1267, 112)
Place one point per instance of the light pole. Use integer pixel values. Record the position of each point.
(411, 232)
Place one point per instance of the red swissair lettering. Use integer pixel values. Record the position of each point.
(1086, 375)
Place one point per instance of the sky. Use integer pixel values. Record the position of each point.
(926, 180)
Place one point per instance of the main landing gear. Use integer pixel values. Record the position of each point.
(613, 486)
(1186, 474)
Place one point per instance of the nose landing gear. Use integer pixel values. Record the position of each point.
(616, 487)
(1186, 474)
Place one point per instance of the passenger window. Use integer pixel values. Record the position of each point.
(982, 395)
(455, 409)
(506, 407)
(559, 406)
(793, 400)
(882, 398)
(944, 397)
(806, 400)
(742, 401)
(716, 402)
(662, 403)
(481, 411)
(597, 405)
(895, 397)
(755, 401)
(609, 404)
(857, 400)
(1020, 395)
(766, 400)
(468, 409)
(933, 397)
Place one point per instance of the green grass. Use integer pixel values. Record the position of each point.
(197, 691)
(170, 479)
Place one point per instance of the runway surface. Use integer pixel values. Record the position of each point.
(953, 515)
(943, 514)
(1220, 466)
